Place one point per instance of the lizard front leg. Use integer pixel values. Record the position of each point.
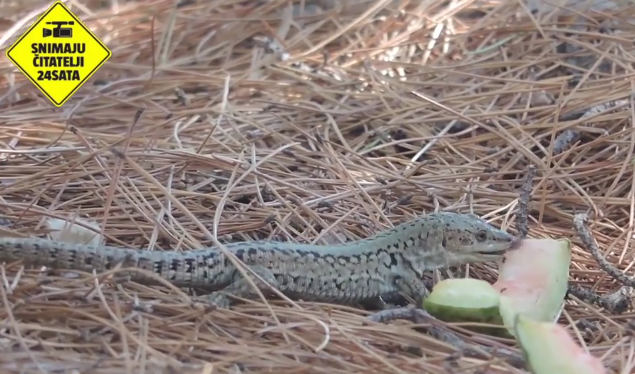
(413, 287)
(430, 255)
(241, 287)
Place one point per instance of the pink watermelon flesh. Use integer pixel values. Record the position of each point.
(533, 280)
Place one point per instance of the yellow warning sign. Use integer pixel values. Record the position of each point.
(58, 53)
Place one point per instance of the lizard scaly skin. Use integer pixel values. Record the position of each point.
(391, 261)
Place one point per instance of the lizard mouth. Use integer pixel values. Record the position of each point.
(492, 253)
(483, 253)
(499, 249)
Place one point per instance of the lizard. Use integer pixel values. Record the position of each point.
(388, 262)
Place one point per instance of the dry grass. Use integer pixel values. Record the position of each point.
(390, 121)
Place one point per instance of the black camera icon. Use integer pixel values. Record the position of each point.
(59, 31)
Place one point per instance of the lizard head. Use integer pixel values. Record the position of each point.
(470, 239)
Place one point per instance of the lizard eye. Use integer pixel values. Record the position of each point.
(481, 236)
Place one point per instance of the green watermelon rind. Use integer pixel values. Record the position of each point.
(466, 300)
(549, 349)
(453, 300)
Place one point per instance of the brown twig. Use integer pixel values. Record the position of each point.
(569, 136)
(618, 301)
(418, 316)
(579, 222)
(523, 202)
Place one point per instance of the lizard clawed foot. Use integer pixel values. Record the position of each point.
(215, 300)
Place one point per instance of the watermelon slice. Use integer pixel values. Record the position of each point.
(466, 300)
(532, 281)
(548, 349)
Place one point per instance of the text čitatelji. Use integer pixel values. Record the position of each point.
(60, 59)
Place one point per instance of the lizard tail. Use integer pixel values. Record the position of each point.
(70, 256)
(187, 268)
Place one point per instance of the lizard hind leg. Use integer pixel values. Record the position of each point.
(241, 287)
